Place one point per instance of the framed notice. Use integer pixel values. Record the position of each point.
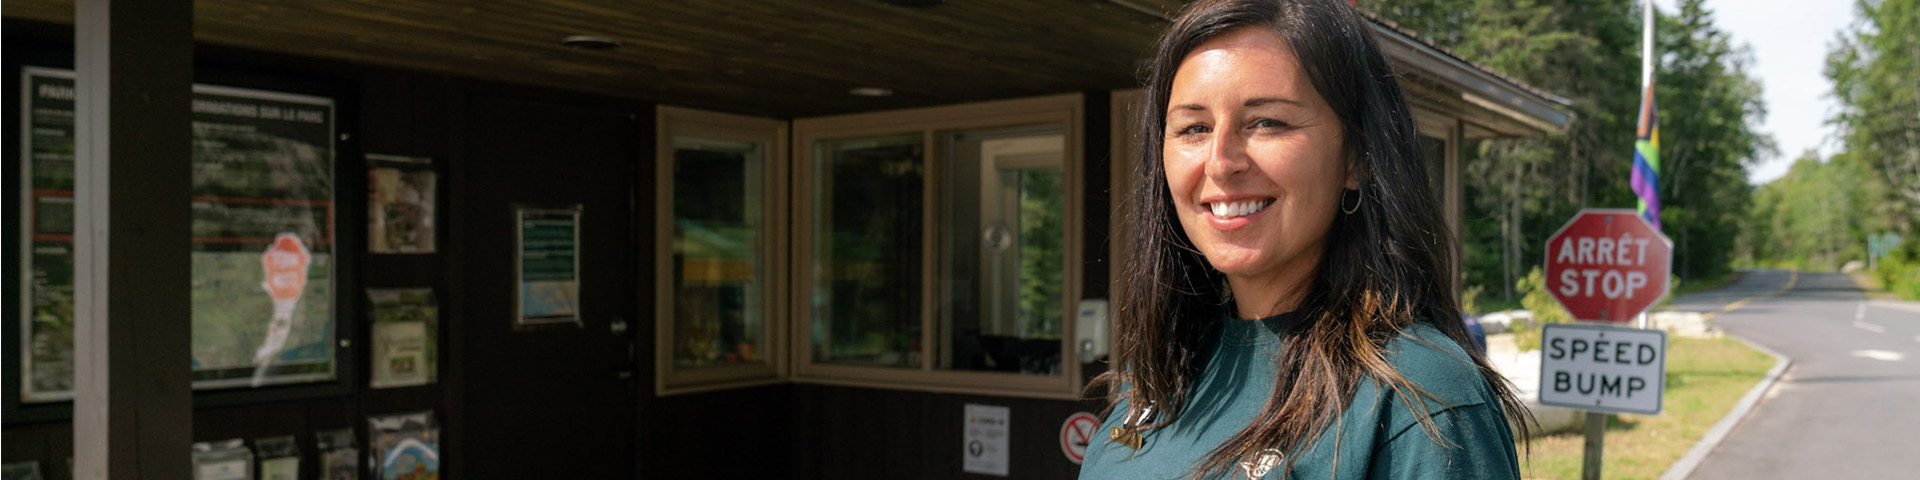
(400, 193)
(546, 266)
(263, 248)
(404, 322)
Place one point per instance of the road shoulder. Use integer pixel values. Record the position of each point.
(1685, 466)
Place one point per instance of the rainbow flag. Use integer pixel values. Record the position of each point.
(1646, 159)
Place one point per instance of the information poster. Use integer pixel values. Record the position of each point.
(222, 460)
(262, 237)
(404, 322)
(404, 447)
(985, 445)
(279, 458)
(548, 266)
(400, 193)
(339, 458)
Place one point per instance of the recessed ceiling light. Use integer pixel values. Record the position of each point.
(589, 42)
(870, 92)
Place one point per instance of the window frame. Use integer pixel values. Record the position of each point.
(932, 123)
(772, 133)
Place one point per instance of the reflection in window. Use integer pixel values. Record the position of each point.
(867, 251)
(1005, 214)
(719, 269)
(1433, 151)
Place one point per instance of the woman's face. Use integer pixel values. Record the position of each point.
(1254, 160)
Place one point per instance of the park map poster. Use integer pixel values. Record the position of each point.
(547, 266)
(262, 247)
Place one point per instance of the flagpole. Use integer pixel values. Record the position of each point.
(1646, 47)
(1646, 76)
(1596, 422)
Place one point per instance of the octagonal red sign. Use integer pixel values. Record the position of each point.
(1608, 265)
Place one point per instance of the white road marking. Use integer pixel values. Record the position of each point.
(1895, 305)
(1860, 320)
(1881, 355)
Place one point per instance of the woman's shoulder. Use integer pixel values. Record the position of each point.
(1436, 364)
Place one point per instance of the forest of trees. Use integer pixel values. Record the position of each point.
(1519, 191)
(1827, 212)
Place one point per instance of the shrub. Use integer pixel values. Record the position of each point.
(1534, 296)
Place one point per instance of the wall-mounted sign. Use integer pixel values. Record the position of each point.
(262, 171)
(985, 446)
(547, 266)
(404, 324)
(400, 193)
(1076, 434)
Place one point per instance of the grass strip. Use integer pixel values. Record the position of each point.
(1705, 377)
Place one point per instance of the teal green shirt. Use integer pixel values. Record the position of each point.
(1377, 436)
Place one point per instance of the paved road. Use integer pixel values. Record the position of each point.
(1849, 407)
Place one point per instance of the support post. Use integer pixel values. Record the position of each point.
(133, 397)
(1596, 444)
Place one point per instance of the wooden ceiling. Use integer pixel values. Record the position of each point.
(773, 58)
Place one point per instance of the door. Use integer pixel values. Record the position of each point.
(558, 397)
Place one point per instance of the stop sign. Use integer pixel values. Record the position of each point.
(1608, 265)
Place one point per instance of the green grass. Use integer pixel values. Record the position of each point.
(1705, 284)
(1704, 379)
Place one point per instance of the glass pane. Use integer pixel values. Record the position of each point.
(719, 267)
(1433, 151)
(866, 251)
(1005, 215)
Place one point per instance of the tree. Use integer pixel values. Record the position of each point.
(1518, 191)
(1875, 68)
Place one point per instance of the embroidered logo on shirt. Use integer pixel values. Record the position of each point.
(1262, 463)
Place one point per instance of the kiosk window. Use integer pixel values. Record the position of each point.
(720, 288)
(867, 198)
(1005, 214)
(941, 248)
(719, 260)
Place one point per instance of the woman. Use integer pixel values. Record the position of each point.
(1289, 309)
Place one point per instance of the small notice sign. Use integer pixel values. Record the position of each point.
(985, 445)
(1603, 369)
(1076, 434)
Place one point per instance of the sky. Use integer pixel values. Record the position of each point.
(1789, 40)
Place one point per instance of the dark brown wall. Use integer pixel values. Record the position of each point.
(379, 111)
(823, 431)
(777, 431)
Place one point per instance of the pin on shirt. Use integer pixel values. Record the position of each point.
(1262, 463)
(1128, 432)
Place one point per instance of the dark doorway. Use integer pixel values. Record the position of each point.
(555, 400)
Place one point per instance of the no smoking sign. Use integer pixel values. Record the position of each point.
(1076, 433)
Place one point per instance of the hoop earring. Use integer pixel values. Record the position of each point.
(1358, 198)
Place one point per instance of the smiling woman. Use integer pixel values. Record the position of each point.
(1254, 166)
(1288, 309)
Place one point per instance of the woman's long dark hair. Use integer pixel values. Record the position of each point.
(1386, 266)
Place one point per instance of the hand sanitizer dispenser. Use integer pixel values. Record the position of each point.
(1090, 330)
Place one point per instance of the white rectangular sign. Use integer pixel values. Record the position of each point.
(985, 447)
(1603, 369)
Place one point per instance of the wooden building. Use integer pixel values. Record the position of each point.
(804, 237)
